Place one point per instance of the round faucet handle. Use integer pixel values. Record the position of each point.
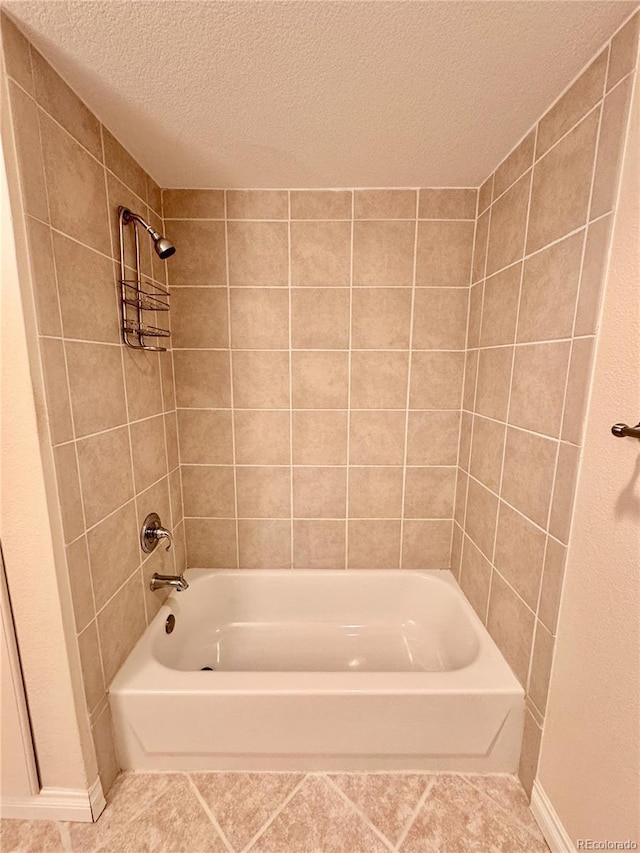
(153, 532)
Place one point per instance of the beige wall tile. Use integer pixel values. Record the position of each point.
(87, 291)
(167, 381)
(205, 437)
(384, 204)
(383, 253)
(552, 578)
(69, 491)
(564, 491)
(114, 552)
(470, 376)
(573, 105)
(624, 50)
(577, 389)
(476, 297)
(320, 254)
(511, 625)
(171, 432)
(142, 383)
(260, 379)
(480, 521)
(211, 543)
(105, 473)
(80, 583)
(612, 130)
(24, 114)
(538, 386)
(120, 625)
(444, 254)
(429, 492)
(447, 203)
(485, 194)
(528, 473)
(440, 318)
(43, 276)
(375, 492)
(436, 380)
(486, 452)
(257, 204)
(475, 577)
(377, 438)
(426, 544)
(459, 510)
(202, 379)
(54, 96)
(381, 318)
(154, 195)
(89, 649)
(321, 204)
(320, 318)
(175, 491)
(432, 438)
(102, 732)
(199, 317)
(263, 492)
(379, 380)
(262, 437)
(319, 438)
(193, 204)
(319, 544)
(148, 451)
(209, 491)
(119, 161)
(319, 380)
(494, 378)
(200, 257)
(17, 58)
(155, 499)
(265, 544)
(561, 186)
(56, 390)
(519, 554)
(541, 667)
(258, 253)
(508, 226)
(549, 291)
(480, 247)
(319, 492)
(592, 277)
(373, 544)
(464, 454)
(76, 188)
(97, 386)
(515, 165)
(500, 307)
(259, 319)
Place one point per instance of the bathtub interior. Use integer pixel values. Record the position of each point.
(317, 622)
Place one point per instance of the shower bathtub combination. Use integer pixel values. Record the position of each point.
(323, 670)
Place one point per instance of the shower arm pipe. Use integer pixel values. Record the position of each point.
(130, 216)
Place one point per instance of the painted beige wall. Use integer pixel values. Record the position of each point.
(590, 759)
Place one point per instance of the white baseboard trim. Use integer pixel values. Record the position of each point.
(554, 832)
(56, 804)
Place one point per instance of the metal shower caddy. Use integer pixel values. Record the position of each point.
(139, 295)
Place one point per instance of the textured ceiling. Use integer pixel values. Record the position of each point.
(318, 94)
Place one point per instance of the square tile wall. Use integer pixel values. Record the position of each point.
(111, 411)
(541, 244)
(319, 356)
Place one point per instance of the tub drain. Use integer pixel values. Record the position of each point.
(207, 669)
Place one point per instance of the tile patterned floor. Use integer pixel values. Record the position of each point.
(295, 813)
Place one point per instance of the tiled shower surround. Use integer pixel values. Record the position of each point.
(319, 355)
(392, 378)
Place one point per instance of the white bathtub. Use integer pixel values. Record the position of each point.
(318, 670)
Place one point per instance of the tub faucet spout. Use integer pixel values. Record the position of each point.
(177, 582)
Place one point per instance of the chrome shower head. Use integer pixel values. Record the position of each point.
(164, 248)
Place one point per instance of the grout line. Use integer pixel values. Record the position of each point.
(418, 808)
(65, 836)
(495, 804)
(349, 360)
(275, 814)
(354, 807)
(195, 791)
(231, 394)
(290, 360)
